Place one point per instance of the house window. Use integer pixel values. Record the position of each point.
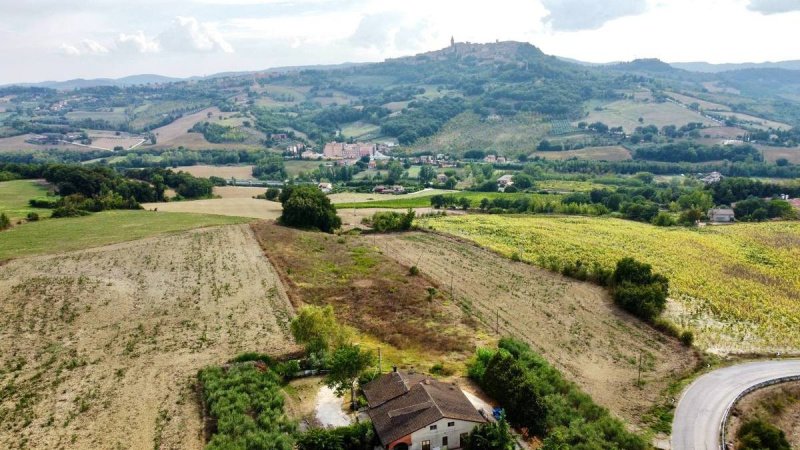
(444, 441)
(426, 445)
(462, 440)
(451, 424)
(433, 427)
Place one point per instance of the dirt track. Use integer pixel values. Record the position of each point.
(100, 348)
(574, 325)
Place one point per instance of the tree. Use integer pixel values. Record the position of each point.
(395, 172)
(346, 364)
(308, 207)
(426, 174)
(317, 329)
(523, 181)
(491, 436)
(638, 290)
(4, 222)
(272, 194)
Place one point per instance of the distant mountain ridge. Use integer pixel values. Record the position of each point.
(729, 67)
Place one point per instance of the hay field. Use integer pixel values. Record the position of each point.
(626, 114)
(704, 104)
(737, 287)
(100, 348)
(238, 191)
(757, 122)
(611, 153)
(227, 172)
(232, 206)
(572, 324)
(18, 144)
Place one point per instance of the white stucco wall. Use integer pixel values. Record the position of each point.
(435, 436)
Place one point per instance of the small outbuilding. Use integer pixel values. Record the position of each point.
(721, 215)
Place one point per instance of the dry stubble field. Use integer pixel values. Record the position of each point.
(99, 348)
(573, 324)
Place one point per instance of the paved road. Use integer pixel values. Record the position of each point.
(703, 405)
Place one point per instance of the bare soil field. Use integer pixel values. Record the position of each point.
(372, 293)
(612, 153)
(238, 191)
(100, 348)
(778, 405)
(237, 207)
(227, 172)
(572, 324)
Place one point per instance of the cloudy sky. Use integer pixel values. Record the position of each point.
(63, 39)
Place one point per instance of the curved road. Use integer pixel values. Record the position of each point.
(703, 405)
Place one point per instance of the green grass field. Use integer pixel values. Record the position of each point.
(295, 166)
(63, 235)
(425, 201)
(14, 196)
(735, 286)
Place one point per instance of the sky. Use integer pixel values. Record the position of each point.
(64, 39)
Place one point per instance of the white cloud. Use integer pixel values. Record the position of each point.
(85, 47)
(774, 6)
(189, 34)
(137, 43)
(574, 15)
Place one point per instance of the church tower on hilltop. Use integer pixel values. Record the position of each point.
(452, 42)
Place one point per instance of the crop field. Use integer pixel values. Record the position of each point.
(611, 153)
(100, 348)
(230, 206)
(14, 196)
(626, 114)
(507, 136)
(227, 172)
(18, 144)
(561, 128)
(103, 228)
(425, 201)
(736, 286)
(572, 324)
(116, 116)
(570, 185)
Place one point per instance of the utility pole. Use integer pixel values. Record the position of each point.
(639, 380)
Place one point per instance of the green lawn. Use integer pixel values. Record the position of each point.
(14, 196)
(424, 202)
(63, 235)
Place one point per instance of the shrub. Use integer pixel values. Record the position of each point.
(272, 194)
(49, 203)
(638, 290)
(414, 270)
(687, 338)
(387, 221)
(4, 221)
(491, 436)
(33, 217)
(359, 436)
(68, 211)
(758, 435)
(307, 207)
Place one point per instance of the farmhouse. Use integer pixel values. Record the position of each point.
(505, 180)
(721, 215)
(713, 177)
(414, 412)
(325, 187)
(441, 178)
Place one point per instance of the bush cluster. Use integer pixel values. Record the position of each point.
(536, 397)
